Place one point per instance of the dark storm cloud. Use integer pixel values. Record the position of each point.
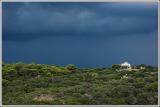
(28, 21)
(84, 34)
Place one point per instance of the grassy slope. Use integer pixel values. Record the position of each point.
(23, 83)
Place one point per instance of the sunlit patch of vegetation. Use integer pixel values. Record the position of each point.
(33, 84)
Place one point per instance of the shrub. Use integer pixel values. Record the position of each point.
(71, 67)
(116, 66)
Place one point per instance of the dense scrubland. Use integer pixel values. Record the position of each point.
(31, 84)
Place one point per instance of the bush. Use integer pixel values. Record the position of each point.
(5, 82)
(70, 85)
(71, 67)
(116, 66)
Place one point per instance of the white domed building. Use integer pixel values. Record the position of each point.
(126, 66)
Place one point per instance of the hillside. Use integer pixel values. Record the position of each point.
(69, 85)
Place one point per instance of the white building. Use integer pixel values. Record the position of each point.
(126, 66)
(142, 68)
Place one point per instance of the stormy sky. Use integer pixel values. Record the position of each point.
(84, 34)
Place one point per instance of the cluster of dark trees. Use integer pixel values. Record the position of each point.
(31, 84)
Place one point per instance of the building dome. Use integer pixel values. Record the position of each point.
(126, 64)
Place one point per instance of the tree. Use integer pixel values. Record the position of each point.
(116, 66)
(71, 67)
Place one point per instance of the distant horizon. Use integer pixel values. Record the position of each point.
(52, 64)
(83, 34)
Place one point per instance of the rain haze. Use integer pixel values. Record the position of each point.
(84, 34)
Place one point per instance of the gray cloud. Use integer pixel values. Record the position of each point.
(85, 34)
(26, 21)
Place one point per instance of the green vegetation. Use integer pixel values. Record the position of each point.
(31, 84)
